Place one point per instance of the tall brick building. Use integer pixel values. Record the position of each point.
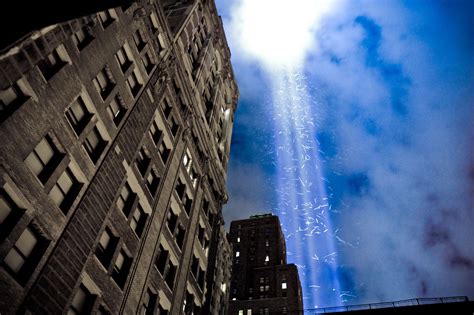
(262, 282)
(115, 134)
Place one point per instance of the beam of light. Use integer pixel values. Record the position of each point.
(278, 35)
(303, 201)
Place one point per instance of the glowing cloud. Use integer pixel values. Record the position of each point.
(275, 32)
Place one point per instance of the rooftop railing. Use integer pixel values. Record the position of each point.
(402, 303)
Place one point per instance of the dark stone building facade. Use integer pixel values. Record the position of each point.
(262, 282)
(115, 134)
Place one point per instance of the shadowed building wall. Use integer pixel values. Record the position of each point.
(262, 282)
(115, 133)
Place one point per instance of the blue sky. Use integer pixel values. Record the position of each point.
(384, 92)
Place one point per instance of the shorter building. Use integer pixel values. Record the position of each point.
(262, 282)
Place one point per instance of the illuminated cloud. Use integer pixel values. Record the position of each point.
(275, 33)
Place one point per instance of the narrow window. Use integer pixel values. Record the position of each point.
(174, 127)
(138, 39)
(161, 260)
(78, 115)
(104, 82)
(134, 83)
(65, 190)
(121, 268)
(82, 302)
(138, 220)
(155, 132)
(170, 275)
(82, 37)
(12, 97)
(116, 109)
(44, 159)
(147, 63)
(52, 63)
(180, 236)
(171, 220)
(154, 22)
(106, 247)
(167, 108)
(126, 199)
(94, 144)
(149, 303)
(164, 152)
(152, 182)
(25, 255)
(123, 57)
(10, 213)
(143, 161)
(106, 17)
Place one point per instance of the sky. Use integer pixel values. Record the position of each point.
(355, 125)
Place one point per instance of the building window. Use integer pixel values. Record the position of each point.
(126, 199)
(44, 159)
(180, 236)
(237, 254)
(78, 115)
(106, 17)
(161, 260)
(94, 144)
(104, 82)
(155, 132)
(25, 255)
(162, 310)
(267, 259)
(116, 109)
(82, 302)
(82, 37)
(53, 62)
(238, 239)
(170, 275)
(123, 57)
(106, 247)
(138, 39)
(154, 22)
(201, 234)
(152, 182)
(147, 63)
(121, 268)
(133, 82)
(10, 213)
(249, 312)
(187, 160)
(195, 266)
(174, 127)
(167, 108)
(143, 161)
(241, 312)
(164, 152)
(65, 190)
(13, 97)
(171, 220)
(180, 189)
(188, 203)
(138, 220)
(149, 303)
